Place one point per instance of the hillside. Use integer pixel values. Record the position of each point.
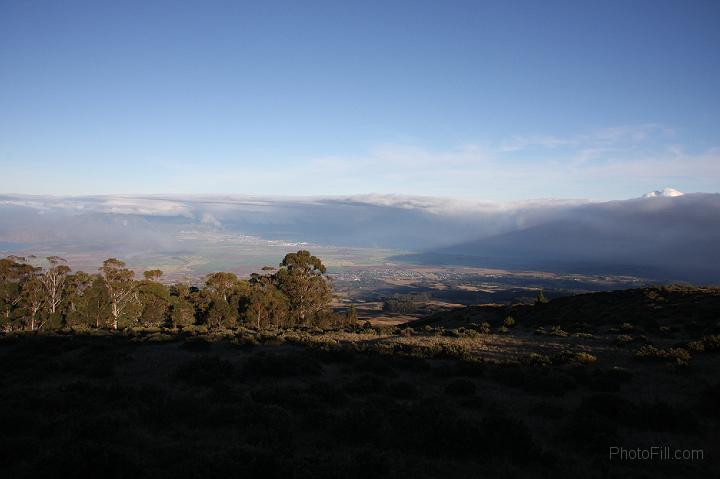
(511, 391)
(689, 309)
(663, 238)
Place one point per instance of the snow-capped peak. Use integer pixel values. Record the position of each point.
(666, 192)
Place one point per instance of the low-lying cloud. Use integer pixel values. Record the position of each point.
(671, 234)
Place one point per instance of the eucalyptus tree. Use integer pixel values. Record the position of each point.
(182, 312)
(53, 282)
(266, 304)
(302, 279)
(154, 299)
(351, 317)
(76, 285)
(34, 297)
(92, 307)
(152, 274)
(14, 272)
(226, 296)
(120, 285)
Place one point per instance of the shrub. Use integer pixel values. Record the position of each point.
(650, 352)
(665, 330)
(623, 339)
(407, 332)
(541, 299)
(573, 357)
(159, 338)
(585, 335)
(584, 357)
(536, 359)
(453, 333)
(453, 350)
(711, 343)
(509, 322)
(558, 331)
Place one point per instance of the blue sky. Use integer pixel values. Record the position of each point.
(495, 100)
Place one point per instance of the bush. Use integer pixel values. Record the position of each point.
(509, 322)
(585, 335)
(566, 356)
(650, 352)
(711, 343)
(407, 332)
(557, 331)
(536, 359)
(623, 339)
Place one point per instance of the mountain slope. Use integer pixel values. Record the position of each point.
(672, 237)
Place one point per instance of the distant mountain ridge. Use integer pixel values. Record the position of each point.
(670, 236)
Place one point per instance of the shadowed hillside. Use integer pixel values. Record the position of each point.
(687, 308)
(518, 391)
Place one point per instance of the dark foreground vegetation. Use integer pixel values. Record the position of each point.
(487, 391)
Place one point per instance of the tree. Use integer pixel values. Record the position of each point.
(224, 296)
(181, 290)
(152, 274)
(14, 272)
(76, 285)
(266, 303)
(222, 284)
(301, 278)
(351, 317)
(33, 297)
(541, 299)
(92, 304)
(53, 282)
(182, 313)
(154, 300)
(120, 285)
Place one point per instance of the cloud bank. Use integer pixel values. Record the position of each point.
(668, 236)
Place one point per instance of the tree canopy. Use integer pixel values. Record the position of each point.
(50, 295)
